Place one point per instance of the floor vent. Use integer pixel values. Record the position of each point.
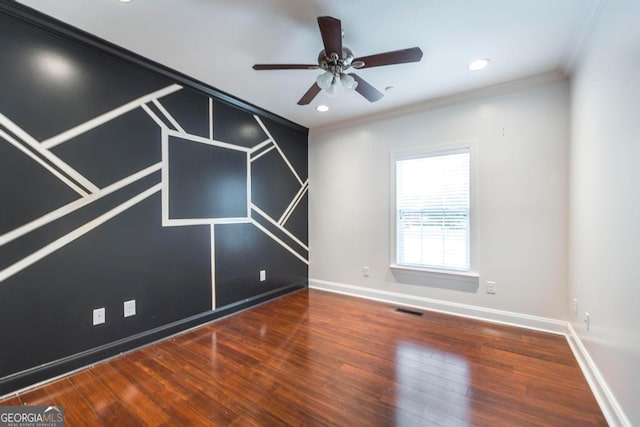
(411, 312)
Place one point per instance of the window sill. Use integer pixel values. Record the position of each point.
(442, 274)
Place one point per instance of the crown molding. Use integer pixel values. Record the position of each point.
(453, 99)
(581, 35)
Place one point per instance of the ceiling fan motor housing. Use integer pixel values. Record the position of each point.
(335, 64)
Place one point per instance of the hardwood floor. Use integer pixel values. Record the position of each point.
(315, 358)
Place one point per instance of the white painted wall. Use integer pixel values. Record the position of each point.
(605, 199)
(522, 197)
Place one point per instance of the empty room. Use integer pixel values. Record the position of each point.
(310, 213)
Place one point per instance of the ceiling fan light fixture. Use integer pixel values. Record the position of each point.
(325, 80)
(322, 108)
(348, 82)
(479, 64)
(332, 90)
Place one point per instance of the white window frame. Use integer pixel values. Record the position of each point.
(433, 150)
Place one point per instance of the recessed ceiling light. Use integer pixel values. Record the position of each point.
(322, 108)
(124, 1)
(479, 64)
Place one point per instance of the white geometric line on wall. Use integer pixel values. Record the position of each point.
(284, 157)
(262, 153)
(97, 193)
(164, 147)
(174, 222)
(202, 140)
(280, 242)
(169, 117)
(59, 163)
(75, 205)
(210, 118)
(153, 116)
(184, 222)
(213, 267)
(284, 221)
(259, 146)
(77, 233)
(279, 227)
(294, 203)
(42, 163)
(108, 116)
(248, 184)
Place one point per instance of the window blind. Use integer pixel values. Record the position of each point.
(432, 211)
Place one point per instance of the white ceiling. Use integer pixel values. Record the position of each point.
(217, 41)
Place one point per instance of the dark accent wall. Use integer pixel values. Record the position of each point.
(122, 179)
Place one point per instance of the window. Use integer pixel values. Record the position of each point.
(432, 210)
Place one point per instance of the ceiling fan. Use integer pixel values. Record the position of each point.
(336, 59)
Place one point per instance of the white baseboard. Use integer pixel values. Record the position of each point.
(608, 404)
(465, 310)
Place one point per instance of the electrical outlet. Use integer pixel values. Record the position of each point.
(263, 275)
(587, 320)
(130, 308)
(491, 287)
(575, 306)
(99, 316)
(366, 272)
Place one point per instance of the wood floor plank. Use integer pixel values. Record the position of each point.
(76, 408)
(36, 397)
(313, 358)
(107, 407)
(557, 415)
(14, 401)
(132, 395)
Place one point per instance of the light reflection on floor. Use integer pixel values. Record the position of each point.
(431, 383)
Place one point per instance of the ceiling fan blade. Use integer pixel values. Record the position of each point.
(331, 32)
(311, 93)
(365, 89)
(261, 67)
(413, 54)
